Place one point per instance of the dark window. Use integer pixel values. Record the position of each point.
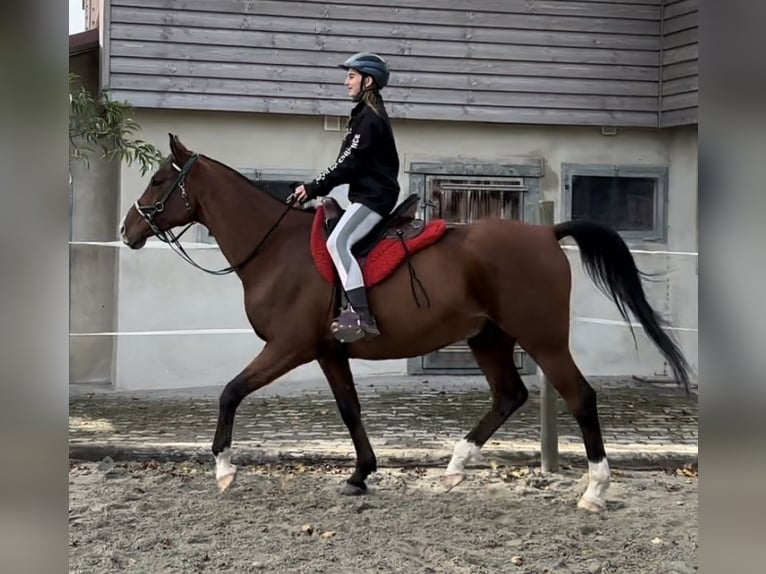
(277, 188)
(629, 199)
(624, 203)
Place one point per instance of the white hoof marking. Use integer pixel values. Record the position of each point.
(598, 475)
(465, 452)
(224, 470)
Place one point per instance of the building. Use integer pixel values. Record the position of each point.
(590, 104)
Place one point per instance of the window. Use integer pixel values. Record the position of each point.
(630, 199)
(464, 200)
(276, 188)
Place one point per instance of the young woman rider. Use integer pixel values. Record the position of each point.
(369, 163)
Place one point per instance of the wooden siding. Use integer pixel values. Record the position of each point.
(575, 62)
(679, 66)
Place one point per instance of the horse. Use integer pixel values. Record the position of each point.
(492, 283)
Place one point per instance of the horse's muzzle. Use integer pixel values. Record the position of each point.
(132, 243)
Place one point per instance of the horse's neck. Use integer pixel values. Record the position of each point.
(239, 216)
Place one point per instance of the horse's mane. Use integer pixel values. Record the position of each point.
(253, 185)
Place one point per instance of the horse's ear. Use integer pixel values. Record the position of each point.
(179, 151)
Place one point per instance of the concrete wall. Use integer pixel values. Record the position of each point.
(684, 232)
(92, 270)
(94, 205)
(158, 291)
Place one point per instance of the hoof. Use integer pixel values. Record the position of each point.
(450, 481)
(591, 505)
(225, 482)
(353, 489)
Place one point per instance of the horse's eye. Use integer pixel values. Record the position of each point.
(156, 181)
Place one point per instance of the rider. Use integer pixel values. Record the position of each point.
(369, 163)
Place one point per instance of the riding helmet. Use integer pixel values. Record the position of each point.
(371, 65)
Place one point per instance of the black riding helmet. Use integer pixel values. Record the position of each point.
(369, 64)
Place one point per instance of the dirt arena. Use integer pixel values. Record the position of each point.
(168, 517)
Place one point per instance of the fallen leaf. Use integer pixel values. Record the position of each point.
(284, 482)
(688, 472)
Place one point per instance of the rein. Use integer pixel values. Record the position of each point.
(173, 240)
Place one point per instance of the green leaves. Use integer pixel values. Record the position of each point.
(107, 128)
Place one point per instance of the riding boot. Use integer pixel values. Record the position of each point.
(355, 322)
(358, 299)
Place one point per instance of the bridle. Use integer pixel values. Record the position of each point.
(148, 212)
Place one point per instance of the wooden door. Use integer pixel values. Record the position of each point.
(461, 200)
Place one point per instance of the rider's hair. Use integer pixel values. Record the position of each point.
(372, 99)
(371, 96)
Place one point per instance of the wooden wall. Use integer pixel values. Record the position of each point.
(678, 103)
(575, 62)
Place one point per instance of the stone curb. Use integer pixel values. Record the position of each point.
(245, 456)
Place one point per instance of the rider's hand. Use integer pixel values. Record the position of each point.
(300, 194)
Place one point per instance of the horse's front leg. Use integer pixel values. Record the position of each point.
(271, 363)
(338, 372)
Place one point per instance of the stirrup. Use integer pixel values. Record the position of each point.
(347, 327)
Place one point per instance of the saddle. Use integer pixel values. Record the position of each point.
(388, 245)
(399, 224)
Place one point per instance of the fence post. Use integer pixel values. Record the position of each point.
(549, 439)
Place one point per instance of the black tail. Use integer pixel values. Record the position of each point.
(610, 265)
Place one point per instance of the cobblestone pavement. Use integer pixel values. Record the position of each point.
(409, 420)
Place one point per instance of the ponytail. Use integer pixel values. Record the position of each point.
(372, 98)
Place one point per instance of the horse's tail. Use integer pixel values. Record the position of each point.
(610, 265)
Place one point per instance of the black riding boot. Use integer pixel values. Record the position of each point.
(357, 322)
(358, 299)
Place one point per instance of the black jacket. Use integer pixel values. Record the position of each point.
(368, 162)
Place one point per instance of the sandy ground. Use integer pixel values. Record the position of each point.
(152, 517)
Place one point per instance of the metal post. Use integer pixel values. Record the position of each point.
(549, 439)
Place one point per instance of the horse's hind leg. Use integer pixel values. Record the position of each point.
(580, 398)
(493, 350)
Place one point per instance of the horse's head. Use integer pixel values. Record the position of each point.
(165, 203)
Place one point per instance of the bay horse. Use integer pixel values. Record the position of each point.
(493, 283)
